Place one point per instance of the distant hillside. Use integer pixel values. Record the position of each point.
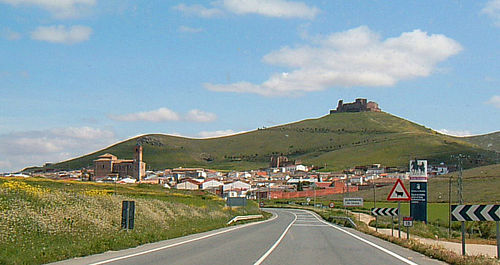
(480, 185)
(489, 141)
(335, 141)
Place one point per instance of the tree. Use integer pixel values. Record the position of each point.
(300, 186)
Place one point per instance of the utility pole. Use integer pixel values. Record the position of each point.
(347, 184)
(449, 207)
(461, 199)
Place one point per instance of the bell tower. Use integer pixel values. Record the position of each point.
(139, 166)
(138, 153)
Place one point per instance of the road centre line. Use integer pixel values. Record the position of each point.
(259, 261)
(182, 242)
(365, 241)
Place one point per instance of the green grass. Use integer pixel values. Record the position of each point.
(337, 141)
(480, 185)
(489, 141)
(44, 220)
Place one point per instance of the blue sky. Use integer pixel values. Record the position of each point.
(78, 75)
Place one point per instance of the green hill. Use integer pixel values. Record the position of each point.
(489, 141)
(337, 141)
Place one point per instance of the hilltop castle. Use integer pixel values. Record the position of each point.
(360, 105)
(109, 165)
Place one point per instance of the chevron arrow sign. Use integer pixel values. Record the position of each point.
(385, 211)
(475, 212)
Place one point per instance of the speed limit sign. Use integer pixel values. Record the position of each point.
(331, 205)
(261, 204)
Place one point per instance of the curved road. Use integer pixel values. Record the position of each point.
(289, 237)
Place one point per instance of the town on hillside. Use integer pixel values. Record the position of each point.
(283, 179)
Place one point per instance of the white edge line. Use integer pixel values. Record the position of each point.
(366, 241)
(182, 242)
(258, 262)
(308, 225)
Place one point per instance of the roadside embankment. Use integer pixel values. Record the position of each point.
(44, 220)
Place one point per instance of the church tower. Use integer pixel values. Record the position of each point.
(138, 153)
(139, 166)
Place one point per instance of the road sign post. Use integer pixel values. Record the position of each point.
(399, 219)
(418, 189)
(383, 212)
(353, 202)
(498, 240)
(465, 213)
(399, 193)
(128, 213)
(407, 222)
(392, 225)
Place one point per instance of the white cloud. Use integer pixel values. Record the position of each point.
(22, 149)
(59, 34)
(356, 57)
(10, 35)
(159, 115)
(165, 114)
(269, 8)
(495, 101)
(459, 133)
(200, 116)
(211, 134)
(198, 10)
(190, 29)
(492, 9)
(58, 8)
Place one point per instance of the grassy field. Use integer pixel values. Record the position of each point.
(480, 185)
(489, 141)
(44, 220)
(336, 142)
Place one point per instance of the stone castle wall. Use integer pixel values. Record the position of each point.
(359, 105)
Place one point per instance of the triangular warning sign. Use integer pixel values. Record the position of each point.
(399, 192)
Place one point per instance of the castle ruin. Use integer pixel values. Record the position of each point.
(360, 105)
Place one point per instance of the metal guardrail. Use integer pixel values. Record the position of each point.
(345, 219)
(244, 217)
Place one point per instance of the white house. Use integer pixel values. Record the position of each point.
(301, 168)
(188, 185)
(127, 181)
(237, 185)
(211, 184)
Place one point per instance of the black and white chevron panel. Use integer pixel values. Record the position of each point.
(385, 211)
(475, 213)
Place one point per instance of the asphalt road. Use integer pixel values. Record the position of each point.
(290, 237)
